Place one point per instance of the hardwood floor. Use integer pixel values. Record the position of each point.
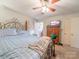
(66, 52)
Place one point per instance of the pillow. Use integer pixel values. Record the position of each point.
(10, 31)
(7, 32)
(20, 31)
(1, 32)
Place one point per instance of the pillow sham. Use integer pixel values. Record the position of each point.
(7, 32)
(1, 32)
(20, 31)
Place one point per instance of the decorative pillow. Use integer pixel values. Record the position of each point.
(10, 32)
(1, 33)
(20, 31)
(7, 32)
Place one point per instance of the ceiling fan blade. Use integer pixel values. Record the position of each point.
(52, 9)
(36, 7)
(54, 1)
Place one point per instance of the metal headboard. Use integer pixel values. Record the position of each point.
(0, 25)
(13, 24)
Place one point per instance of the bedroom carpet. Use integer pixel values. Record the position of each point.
(66, 52)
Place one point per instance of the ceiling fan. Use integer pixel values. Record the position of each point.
(45, 7)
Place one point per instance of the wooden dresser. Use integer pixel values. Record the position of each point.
(54, 29)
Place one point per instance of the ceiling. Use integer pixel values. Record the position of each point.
(25, 7)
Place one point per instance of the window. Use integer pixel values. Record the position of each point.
(38, 28)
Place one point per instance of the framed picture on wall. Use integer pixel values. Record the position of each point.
(55, 23)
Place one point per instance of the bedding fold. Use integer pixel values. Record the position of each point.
(41, 46)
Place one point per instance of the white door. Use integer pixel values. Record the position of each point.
(75, 32)
(66, 31)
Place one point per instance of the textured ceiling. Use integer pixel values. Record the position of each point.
(25, 7)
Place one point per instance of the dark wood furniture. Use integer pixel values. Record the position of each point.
(54, 29)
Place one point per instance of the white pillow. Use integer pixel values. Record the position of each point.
(7, 32)
(20, 31)
(1, 32)
(10, 32)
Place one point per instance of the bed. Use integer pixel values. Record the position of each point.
(15, 46)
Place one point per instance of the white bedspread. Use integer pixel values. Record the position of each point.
(16, 47)
(20, 53)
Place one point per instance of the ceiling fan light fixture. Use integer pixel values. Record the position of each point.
(47, 10)
(44, 9)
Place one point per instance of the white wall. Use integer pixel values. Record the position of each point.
(75, 31)
(7, 14)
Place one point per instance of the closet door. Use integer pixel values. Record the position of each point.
(75, 32)
(66, 31)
